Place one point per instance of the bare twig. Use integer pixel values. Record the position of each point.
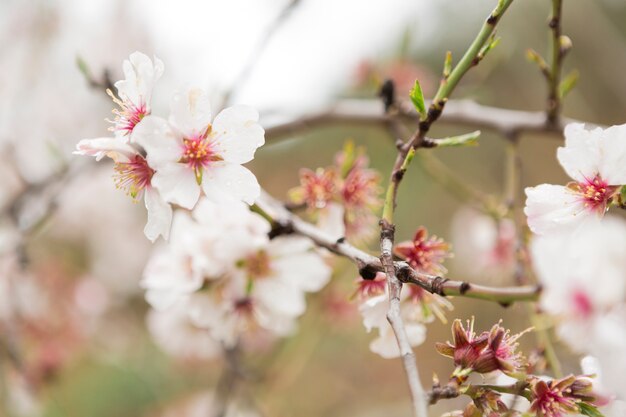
(558, 52)
(258, 51)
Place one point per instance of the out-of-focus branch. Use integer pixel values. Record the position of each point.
(465, 113)
(258, 51)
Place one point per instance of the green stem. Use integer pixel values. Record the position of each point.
(469, 58)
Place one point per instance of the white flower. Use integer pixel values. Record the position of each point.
(582, 274)
(134, 175)
(191, 153)
(135, 92)
(596, 161)
(265, 291)
(374, 312)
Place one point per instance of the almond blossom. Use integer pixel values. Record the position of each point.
(582, 274)
(192, 152)
(135, 92)
(596, 161)
(134, 175)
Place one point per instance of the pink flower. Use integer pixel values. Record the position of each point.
(556, 398)
(317, 188)
(596, 161)
(423, 253)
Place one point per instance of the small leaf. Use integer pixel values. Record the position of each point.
(589, 410)
(491, 43)
(83, 67)
(447, 65)
(417, 97)
(468, 139)
(568, 83)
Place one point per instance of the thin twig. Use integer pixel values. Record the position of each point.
(554, 98)
(258, 51)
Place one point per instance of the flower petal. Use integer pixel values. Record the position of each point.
(114, 148)
(155, 135)
(231, 181)
(237, 134)
(177, 184)
(581, 155)
(159, 215)
(140, 76)
(613, 167)
(190, 112)
(552, 207)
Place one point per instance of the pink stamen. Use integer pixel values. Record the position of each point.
(133, 176)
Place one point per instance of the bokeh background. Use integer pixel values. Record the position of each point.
(85, 338)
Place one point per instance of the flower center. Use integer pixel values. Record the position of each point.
(582, 303)
(133, 176)
(128, 115)
(258, 265)
(595, 193)
(198, 153)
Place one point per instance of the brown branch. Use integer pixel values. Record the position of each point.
(286, 222)
(558, 52)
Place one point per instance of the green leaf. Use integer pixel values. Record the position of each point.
(468, 139)
(417, 97)
(589, 410)
(568, 83)
(83, 67)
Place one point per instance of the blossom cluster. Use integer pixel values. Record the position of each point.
(221, 281)
(516, 391)
(579, 254)
(173, 161)
(425, 254)
(342, 197)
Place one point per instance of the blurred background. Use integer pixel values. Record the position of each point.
(81, 333)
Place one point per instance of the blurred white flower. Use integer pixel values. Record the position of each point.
(374, 312)
(596, 161)
(264, 291)
(484, 248)
(582, 274)
(190, 153)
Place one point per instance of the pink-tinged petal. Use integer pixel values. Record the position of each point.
(177, 184)
(387, 346)
(114, 148)
(613, 167)
(237, 134)
(279, 297)
(307, 271)
(140, 76)
(581, 156)
(224, 180)
(159, 215)
(553, 207)
(155, 135)
(190, 112)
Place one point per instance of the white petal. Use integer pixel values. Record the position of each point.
(177, 184)
(581, 155)
(553, 207)
(613, 166)
(374, 311)
(155, 135)
(237, 134)
(223, 181)
(140, 76)
(159, 215)
(190, 112)
(114, 148)
(307, 271)
(386, 344)
(279, 297)
(162, 299)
